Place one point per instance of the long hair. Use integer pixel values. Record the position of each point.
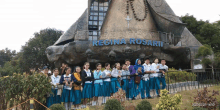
(115, 65)
(66, 69)
(106, 64)
(85, 64)
(98, 65)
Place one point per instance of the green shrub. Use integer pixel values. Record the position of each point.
(57, 107)
(113, 104)
(199, 108)
(167, 102)
(179, 76)
(144, 105)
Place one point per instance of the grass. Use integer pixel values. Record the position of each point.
(186, 102)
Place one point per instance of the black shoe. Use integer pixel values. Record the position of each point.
(150, 98)
(158, 95)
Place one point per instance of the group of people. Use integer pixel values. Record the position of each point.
(83, 83)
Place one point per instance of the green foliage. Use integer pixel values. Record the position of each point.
(33, 53)
(205, 32)
(6, 55)
(19, 88)
(166, 102)
(9, 68)
(204, 51)
(113, 104)
(199, 108)
(57, 107)
(144, 105)
(179, 76)
(120, 96)
(207, 101)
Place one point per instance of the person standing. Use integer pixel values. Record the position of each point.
(67, 94)
(107, 82)
(115, 75)
(125, 79)
(155, 82)
(146, 79)
(77, 87)
(87, 77)
(98, 84)
(131, 81)
(55, 80)
(163, 69)
(138, 87)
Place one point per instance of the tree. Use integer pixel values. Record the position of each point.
(33, 53)
(6, 55)
(205, 52)
(205, 32)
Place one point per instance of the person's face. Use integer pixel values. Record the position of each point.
(108, 67)
(127, 63)
(124, 67)
(56, 72)
(156, 61)
(163, 62)
(87, 66)
(78, 70)
(45, 71)
(63, 65)
(118, 66)
(139, 62)
(99, 67)
(68, 71)
(147, 61)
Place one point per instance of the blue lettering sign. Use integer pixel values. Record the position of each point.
(144, 42)
(106, 42)
(138, 41)
(116, 42)
(149, 42)
(94, 43)
(123, 41)
(155, 43)
(100, 42)
(132, 41)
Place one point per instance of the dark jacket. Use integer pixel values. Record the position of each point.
(85, 78)
(132, 71)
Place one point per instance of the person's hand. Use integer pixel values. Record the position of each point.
(128, 77)
(163, 72)
(71, 84)
(119, 76)
(119, 71)
(57, 83)
(100, 76)
(157, 67)
(136, 73)
(98, 71)
(109, 75)
(66, 83)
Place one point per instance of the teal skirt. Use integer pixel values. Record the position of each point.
(50, 99)
(87, 91)
(107, 89)
(138, 88)
(98, 90)
(77, 94)
(115, 85)
(56, 98)
(152, 83)
(67, 96)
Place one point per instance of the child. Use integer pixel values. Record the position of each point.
(55, 80)
(67, 94)
(140, 70)
(115, 75)
(98, 84)
(131, 81)
(163, 69)
(87, 76)
(77, 87)
(146, 79)
(107, 82)
(125, 78)
(155, 82)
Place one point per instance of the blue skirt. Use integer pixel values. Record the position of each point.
(87, 91)
(157, 83)
(56, 98)
(125, 86)
(67, 96)
(115, 85)
(131, 89)
(50, 99)
(107, 89)
(98, 90)
(77, 94)
(138, 88)
(152, 83)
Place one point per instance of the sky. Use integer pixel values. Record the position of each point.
(20, 19)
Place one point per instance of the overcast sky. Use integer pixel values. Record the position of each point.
(19, 19)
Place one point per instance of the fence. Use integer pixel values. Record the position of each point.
(176, 81)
